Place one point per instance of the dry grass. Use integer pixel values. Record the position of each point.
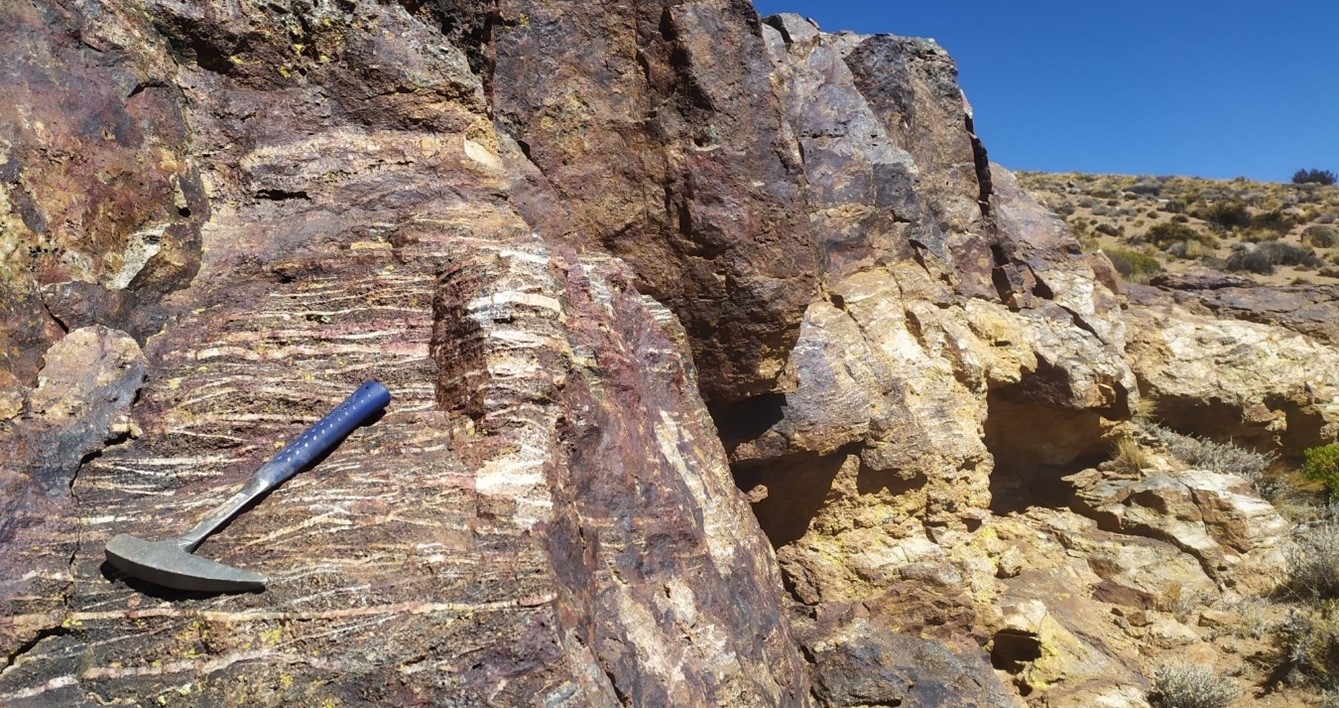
(1186, 222)
(1128, 456)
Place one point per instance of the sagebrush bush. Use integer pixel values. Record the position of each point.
(1320, 236)
(1308, 645)
(1224, 215)
(1252, 261)
(1322, 465)
(1274, 220)
(1219, 457)
(1313, 563)
(1191, 687)
(1265, 256)
(1168, 233)
(1134, 266)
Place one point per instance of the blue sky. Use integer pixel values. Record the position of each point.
(1189, 87)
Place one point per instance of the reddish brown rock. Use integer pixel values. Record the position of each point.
(658, 126)
(100, 200)
(863, 664)
(81, 404)
(543, 513)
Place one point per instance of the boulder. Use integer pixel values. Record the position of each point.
(862, 664)
(1237, 537)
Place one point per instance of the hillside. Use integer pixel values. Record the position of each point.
(1272, 233)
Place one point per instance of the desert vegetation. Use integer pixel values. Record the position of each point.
(1276, 234)
(1313, 176)
(1191, 686)
(1284, 637)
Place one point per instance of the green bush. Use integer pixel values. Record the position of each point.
(1191, 687)
(1134, 266)
(1322, 465)
(1264, 257)
(1325, 177)
(1166, 234)
(1109, 230)
(1224, 215)
(1320, 236)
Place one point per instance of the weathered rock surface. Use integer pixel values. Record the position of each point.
(1312, 310)
(1260, 384)
(865, 665)
(544, 513)
(82, 402)
(100, 200)
(1235, 535)
(657, 125)
(626, 270)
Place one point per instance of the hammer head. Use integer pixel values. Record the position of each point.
(169, 564)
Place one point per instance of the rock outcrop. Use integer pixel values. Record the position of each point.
(1262, 384)
(727, 370)
(1217, 518)
(545, 512)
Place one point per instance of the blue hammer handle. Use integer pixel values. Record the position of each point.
(325, 433)
(322, 436)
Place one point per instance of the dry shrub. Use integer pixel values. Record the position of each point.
(1217, 457)
(1191, 687)
(1313, 565)
(1308, 645)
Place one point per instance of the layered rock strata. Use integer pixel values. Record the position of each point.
(544, 512)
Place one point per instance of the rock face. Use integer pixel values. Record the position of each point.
(658, 127)
(628, 271)
(544, 513)
(1312, 310)
(1262, 384)
(1214, 517)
